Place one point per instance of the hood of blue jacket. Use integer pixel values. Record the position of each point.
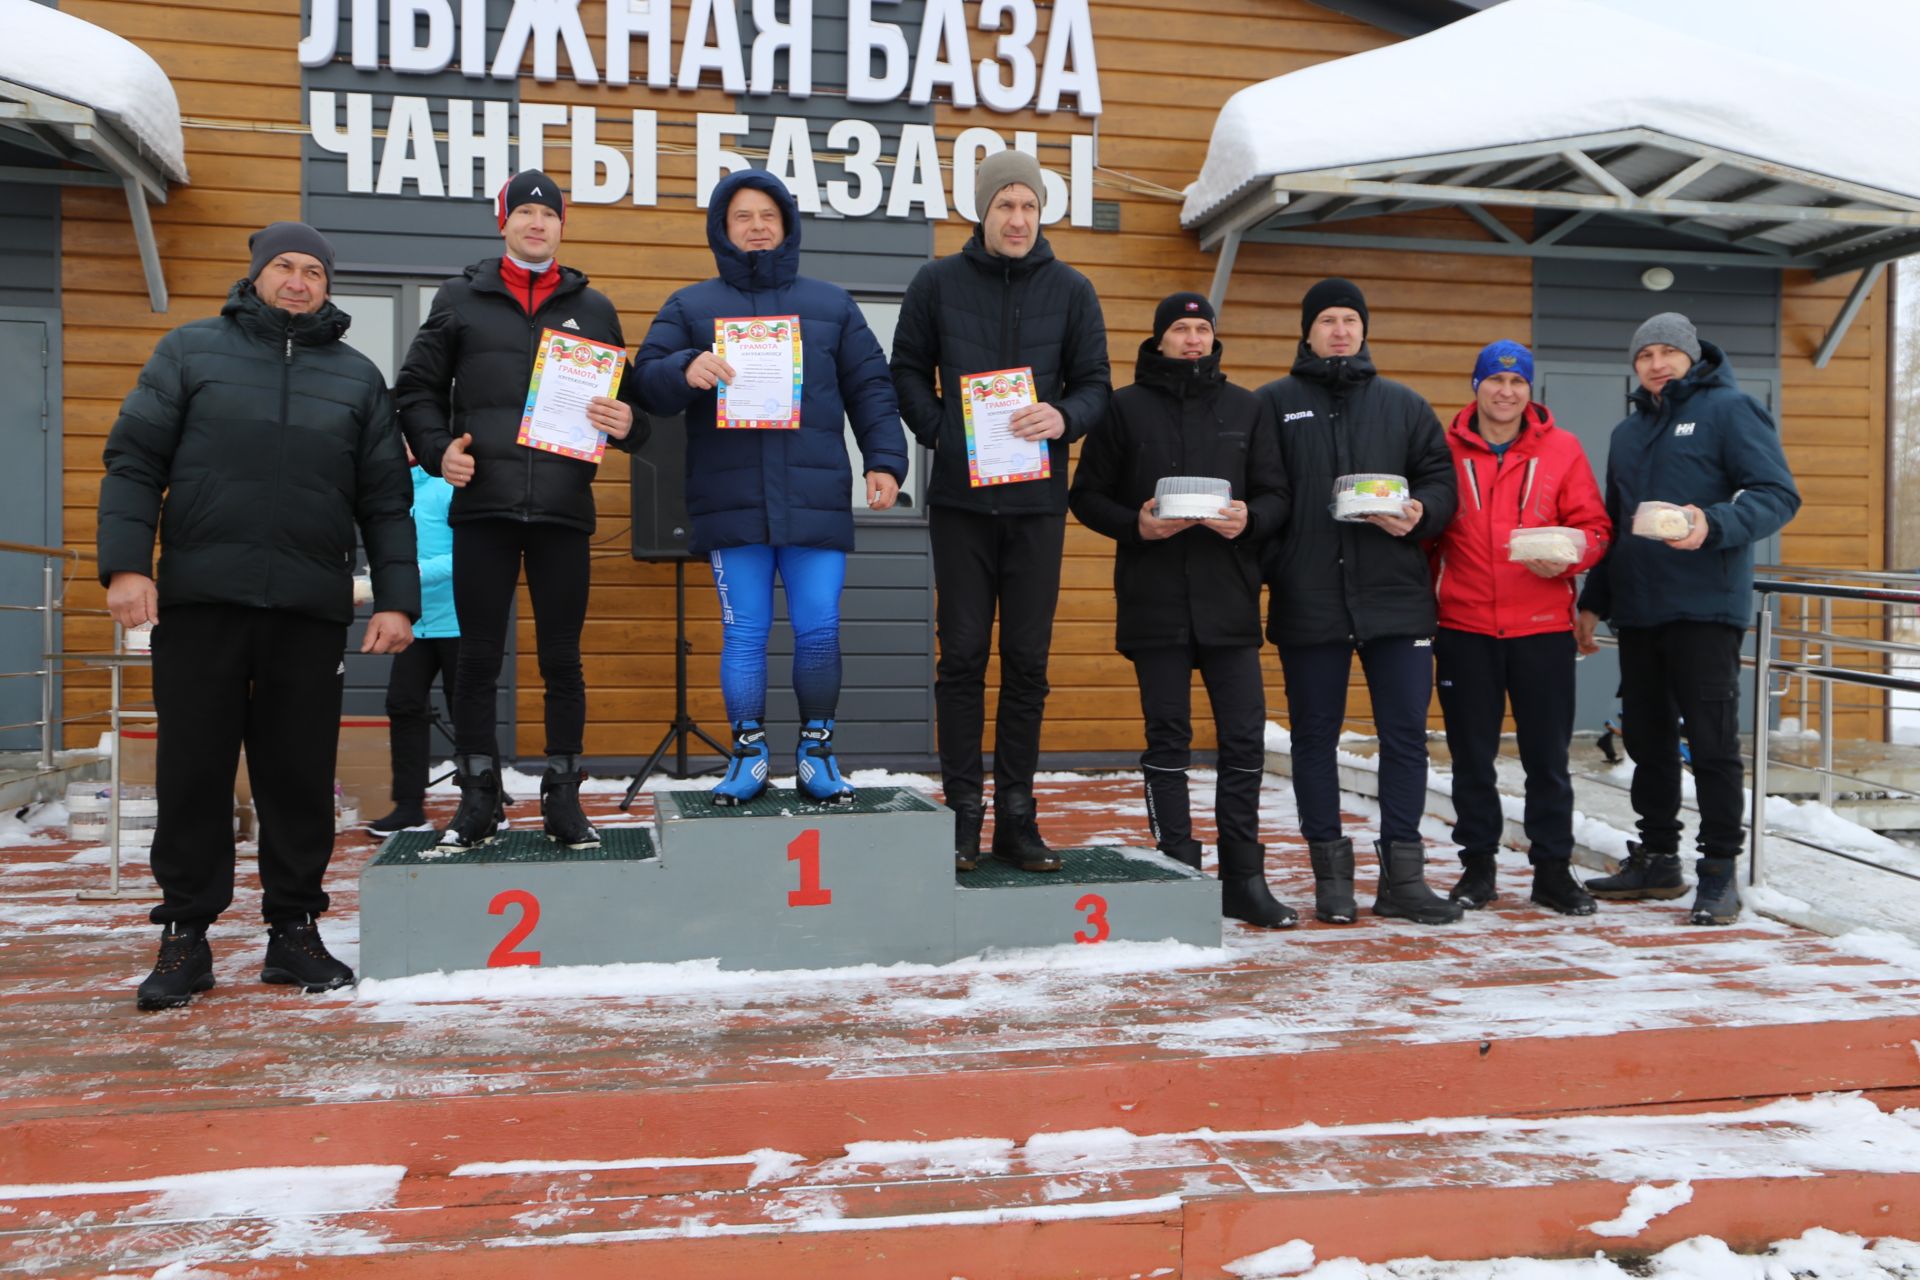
(767, 268)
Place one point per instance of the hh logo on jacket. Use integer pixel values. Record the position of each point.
(1684, 429)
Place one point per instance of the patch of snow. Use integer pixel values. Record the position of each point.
(1822, 100)
(1278, 739)
(1288, 1259)
(70, 58)
(1644, 1203)
(1878, 944)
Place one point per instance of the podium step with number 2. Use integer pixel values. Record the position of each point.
(780, 883)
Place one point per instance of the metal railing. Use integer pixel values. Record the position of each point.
(1817, 671)
(52, 605)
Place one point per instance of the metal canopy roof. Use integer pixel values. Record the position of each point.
(86, 150)
(1739, 210)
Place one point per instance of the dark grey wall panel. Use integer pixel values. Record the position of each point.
(29, 239)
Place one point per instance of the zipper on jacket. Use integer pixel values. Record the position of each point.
(280, 471)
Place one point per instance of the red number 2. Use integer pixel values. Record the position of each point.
(1096, 908)
(805, 850)
(506, 953)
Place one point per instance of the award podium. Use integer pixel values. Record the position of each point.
(780, 883)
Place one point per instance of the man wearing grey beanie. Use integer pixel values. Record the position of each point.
(1003, 304)
(1679, 605)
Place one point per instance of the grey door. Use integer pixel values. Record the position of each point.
(32, 453)
(1588, 400)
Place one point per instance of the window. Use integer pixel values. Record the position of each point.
(882, 315)
(385, 318)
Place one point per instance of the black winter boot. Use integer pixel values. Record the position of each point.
(1186, 851)
(296, 957)
(478, 818)
(1718, 901)
(1555, 889)
(967, 817)
(1403, 893)
(1333, 881)
(1642, 875)
(1016, 832)
(407, 816)
(1244, 894)
(185, 966)
(560, 805)
(1474, 889)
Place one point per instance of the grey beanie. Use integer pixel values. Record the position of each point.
(1670, 328)
(1003, 169)
(277, 238)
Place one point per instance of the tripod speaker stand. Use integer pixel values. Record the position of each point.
(683, 725)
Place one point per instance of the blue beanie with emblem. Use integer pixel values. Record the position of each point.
(1502, 357)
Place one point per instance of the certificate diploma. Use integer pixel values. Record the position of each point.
(567, 373)
(994, 454)
(764, 394)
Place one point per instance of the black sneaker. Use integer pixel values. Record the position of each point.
(405, 817)
(1555, 889)
(967, 819)
(477, 819)
(565, 822)
(296, 957)
(184, 968)
(1475, 890)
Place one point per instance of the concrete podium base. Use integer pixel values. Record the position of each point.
(777, 884)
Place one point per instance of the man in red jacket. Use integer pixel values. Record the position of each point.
(1506, 625)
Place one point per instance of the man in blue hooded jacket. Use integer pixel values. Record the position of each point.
(1680, 605)
(775, 501)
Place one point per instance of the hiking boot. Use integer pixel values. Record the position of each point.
(1475, 890)
(1333, 881)
(1244, 894)
(1555, 889)
(967, 817)
(560, 810)
(816, 774)
(296, 957)
(1718, 899)
(185, 966)
(1016, 832)
(1642, 875)
(476, 821)
(405, 817)
(1403, 893)
(746, 775)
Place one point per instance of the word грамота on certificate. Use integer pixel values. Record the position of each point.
(567, 374)
(764, 392)
(994, 454)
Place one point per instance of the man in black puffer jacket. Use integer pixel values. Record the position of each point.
(254, 442)
(1188, 591)
(462, 393)
(1003, 302)
(1341, 587)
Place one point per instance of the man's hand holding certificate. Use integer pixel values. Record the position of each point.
(570, 409)
(764, 355)
(1007, 431)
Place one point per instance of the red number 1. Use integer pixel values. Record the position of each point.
(1096, 908)
(805, 850)
(507, 954)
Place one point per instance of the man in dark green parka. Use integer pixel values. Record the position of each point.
(254, 443)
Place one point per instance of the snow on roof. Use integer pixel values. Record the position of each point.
(1829, 89)
(59, 54)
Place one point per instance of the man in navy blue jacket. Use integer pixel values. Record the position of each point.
(1680, 605)
(765, 501)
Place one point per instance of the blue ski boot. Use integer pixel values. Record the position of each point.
(816, 773)
(747, 771)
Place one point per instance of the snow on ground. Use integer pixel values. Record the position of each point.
(1823, 1254)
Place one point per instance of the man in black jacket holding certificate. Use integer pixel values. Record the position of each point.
(1188, 590)
(1003, 303)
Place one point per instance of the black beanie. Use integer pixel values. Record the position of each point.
(1332, 292)
(276, 238)
(1180, 306)
(529, 187)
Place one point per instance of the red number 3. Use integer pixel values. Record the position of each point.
(1096, 908)
(507, 953)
